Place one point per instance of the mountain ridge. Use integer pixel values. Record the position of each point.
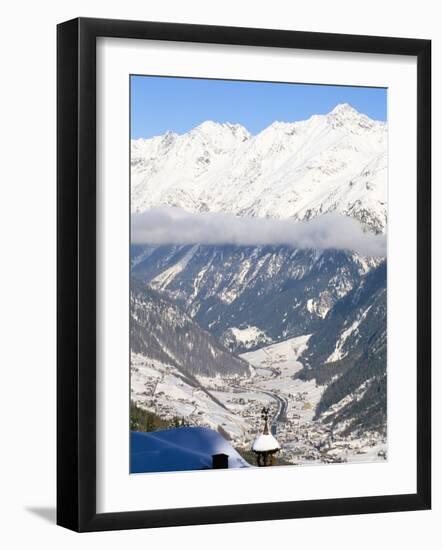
(160, 330)
(275, 291)
(335, 162)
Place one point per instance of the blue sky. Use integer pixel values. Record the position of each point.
(159, 104)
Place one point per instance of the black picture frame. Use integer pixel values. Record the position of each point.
(76, 274)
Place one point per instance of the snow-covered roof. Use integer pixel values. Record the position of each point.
(265, 442)
(178, 449)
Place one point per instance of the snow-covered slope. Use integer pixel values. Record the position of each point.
(160, 330)
(283, 355)
(162, 388)
(334, 162)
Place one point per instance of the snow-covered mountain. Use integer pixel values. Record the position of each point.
(335, 162)
(252, 296)
(196, 305)
(349, 355)
(161, 331)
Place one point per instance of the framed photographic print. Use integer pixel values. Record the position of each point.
(243, 274)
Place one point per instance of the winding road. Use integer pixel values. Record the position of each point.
(280, 416)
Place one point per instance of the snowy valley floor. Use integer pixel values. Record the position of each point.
(236, 409)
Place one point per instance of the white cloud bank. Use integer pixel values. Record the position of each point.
(167, 225)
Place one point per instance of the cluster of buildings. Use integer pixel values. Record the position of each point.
(291, 433)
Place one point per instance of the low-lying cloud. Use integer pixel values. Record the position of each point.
(167, 225)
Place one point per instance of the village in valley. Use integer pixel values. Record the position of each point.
(233, 406)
